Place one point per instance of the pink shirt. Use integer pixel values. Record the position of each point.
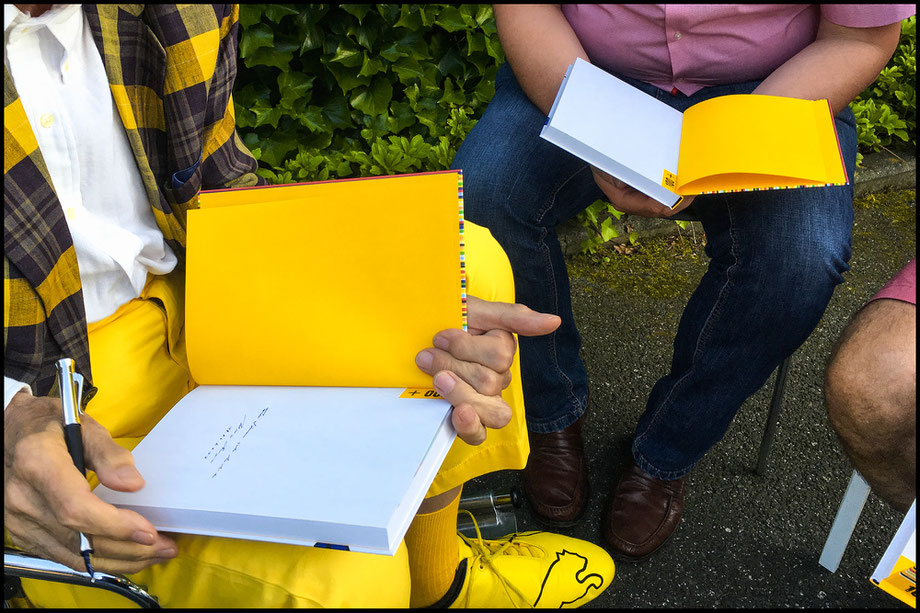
(903, 286)
(691, 46)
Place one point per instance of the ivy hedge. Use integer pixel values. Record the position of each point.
(358, 90)
(334, 91)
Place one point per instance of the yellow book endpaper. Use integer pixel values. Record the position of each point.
(335, 284)
(749, 141)
(902, 583)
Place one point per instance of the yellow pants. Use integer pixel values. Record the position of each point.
(139, 366)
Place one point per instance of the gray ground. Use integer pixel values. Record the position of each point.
(745, 541)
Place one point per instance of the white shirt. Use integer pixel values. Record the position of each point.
(60, 78)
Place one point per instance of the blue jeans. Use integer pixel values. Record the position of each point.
(775, 258)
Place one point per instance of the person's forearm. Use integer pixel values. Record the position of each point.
(840, 64)
(540, 45)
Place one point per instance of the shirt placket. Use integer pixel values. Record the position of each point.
(35, 82)
(675, 21)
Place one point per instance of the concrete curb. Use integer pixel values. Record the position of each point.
(879, 172)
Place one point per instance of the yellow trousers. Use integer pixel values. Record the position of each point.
(139, 366)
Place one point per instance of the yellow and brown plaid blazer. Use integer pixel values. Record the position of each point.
(171, 69)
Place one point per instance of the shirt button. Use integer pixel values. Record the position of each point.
(677, 35)
(70, 212)
(47, 120)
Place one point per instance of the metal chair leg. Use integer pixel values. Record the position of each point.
(493, 514)
(844, 522)
(776, 403)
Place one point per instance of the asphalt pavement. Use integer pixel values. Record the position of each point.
(745, 541)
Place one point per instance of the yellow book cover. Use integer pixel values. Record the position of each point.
(896, 572)
(335, 283)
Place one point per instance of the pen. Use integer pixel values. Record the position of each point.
(71, 385)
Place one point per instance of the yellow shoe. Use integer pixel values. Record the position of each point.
(528, 569)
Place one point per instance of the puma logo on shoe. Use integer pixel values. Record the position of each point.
(568, 564)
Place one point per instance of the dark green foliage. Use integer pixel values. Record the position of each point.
(331, 91)
(888, 109)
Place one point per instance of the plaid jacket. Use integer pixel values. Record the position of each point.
(170, 69)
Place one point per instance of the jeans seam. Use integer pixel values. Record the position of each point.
(703, 336)
(570, 386)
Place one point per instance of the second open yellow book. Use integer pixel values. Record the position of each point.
(724, 144)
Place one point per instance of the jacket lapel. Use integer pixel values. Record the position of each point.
(36, 237)
(135, 64)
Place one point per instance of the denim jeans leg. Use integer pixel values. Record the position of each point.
(776, 257)
(521, 187)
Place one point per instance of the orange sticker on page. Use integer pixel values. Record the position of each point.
(419, 392)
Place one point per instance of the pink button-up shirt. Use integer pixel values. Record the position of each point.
(691, 46)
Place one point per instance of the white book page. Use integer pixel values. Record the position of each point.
(903, 544)
(337, 455)
(618, 120)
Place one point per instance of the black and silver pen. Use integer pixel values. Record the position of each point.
(70, 383)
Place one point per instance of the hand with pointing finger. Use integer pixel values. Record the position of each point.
(471, 369)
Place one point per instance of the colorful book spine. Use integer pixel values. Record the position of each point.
(463, 306)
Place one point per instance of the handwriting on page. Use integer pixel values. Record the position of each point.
(229, 441)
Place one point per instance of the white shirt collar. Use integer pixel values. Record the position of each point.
(64, 21)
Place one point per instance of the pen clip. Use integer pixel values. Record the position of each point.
(68, 383)
(78, 392)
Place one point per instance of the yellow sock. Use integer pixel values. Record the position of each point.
(434, 554)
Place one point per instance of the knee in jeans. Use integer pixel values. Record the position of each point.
(809, 272)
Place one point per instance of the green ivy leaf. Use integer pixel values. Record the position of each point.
(276, 147)
(451, 64)
(293, 86)
(312, 38)
(254, 38)
(265, 114)
(484, 14)
(269, 57)
(313, 119)
(371, 66)
(451, 19)
(608, 231)
(373, 100)
(276, 12)
(412, 43)
(408, 18)
(337, 113)
(392, 52)
(250, 15)
(451, 95)
(613, 211)
(408, 68)
(347, 54)
(347, 79)
(358, 10)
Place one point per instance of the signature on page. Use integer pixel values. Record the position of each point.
(229, 441)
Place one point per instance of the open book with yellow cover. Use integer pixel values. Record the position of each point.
(305, 307)
(724, 144)
(896, 572)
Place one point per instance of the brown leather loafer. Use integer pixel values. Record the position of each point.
(642, 513)
(556, 475)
